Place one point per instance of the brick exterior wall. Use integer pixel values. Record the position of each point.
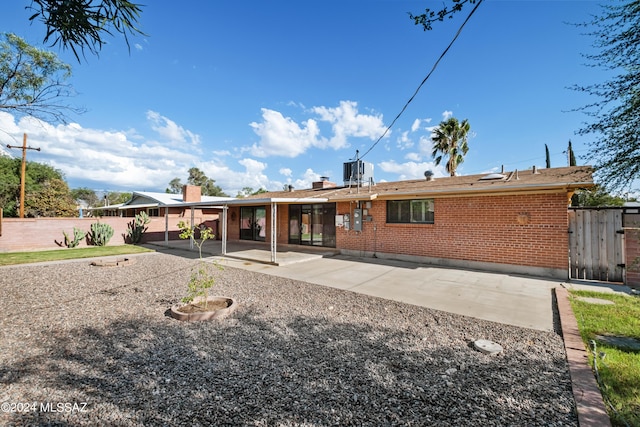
(523, 230)
(527, 230)
(46, 233)
(632, 257)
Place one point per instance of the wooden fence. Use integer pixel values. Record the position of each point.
(596, 242)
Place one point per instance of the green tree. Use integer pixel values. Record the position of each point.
(32, 81)
(116, 197)
(10, 185)
(88, 195)
(81, 24)
(615, 113)
(547, 156)
(46, 193)
(207, 185)
(175, 186)
(431, 16)
(596, 197)
(450, 140)
(51, 199)
(571, 155)
(249, 191)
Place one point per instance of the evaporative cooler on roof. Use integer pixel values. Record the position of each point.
(357, 173)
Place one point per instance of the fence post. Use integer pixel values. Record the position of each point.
(631, 226)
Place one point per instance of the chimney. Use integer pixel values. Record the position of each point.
(323, 183)
(191, 193)
(428, 175)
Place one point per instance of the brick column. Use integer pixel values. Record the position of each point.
(631, 226)
(632, 257)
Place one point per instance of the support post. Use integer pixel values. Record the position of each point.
(225, 210)
(274, 233)
(166, 226)
(192, 227)
(23, 170)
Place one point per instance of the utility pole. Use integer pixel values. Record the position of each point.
(24, 169)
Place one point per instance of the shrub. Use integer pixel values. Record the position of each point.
(100, 234)
(78, 235)
(137, 227)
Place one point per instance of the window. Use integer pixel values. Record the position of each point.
(418, 211)
(153, 212)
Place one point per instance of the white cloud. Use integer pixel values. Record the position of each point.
(413, 157)
(447, 114)
(171, 131)
(415, 126)
(281, 136)
(138, 46)
(110, 159)
(307, 179)
(285, 171)
(411, 169)
(404, 142)
(347, 122)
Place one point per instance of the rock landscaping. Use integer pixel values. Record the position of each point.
(86, 346)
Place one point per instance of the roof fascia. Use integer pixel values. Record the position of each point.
(485, 191)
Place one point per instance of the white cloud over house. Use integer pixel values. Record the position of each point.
(411, 169)
(283, 136)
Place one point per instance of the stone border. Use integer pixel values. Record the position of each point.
(120, 262)
(208, 315)
(589, 404)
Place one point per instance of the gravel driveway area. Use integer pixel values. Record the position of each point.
(82, 346)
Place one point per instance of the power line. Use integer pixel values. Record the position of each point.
(435, 65)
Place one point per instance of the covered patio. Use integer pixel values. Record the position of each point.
(265, 252)
(251, 251)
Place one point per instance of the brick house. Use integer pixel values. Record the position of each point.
(513, 222)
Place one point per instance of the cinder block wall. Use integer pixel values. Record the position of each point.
(43, 233)
(522, 230)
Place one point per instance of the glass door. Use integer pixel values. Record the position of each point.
(253, 223)
(312, 225)
(305, 225)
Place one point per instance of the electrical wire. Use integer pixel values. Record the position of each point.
(435, 65)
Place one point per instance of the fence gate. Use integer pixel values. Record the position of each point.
(596, 242)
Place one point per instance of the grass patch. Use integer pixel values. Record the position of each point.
(11, 258)
(618, 366)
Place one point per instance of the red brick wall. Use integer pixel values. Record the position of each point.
(526, 230)
(43, 233)
(632, 257)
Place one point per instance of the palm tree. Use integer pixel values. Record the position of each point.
(450, 139)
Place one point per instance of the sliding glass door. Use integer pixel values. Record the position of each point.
(312, 225)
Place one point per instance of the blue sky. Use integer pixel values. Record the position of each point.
(263, 94)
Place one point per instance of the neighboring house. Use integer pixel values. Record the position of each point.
(171, 207)
(159, 204)
(512, 222)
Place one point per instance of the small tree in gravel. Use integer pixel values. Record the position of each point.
(201, 279)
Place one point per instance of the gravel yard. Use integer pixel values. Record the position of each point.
(82, 345)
